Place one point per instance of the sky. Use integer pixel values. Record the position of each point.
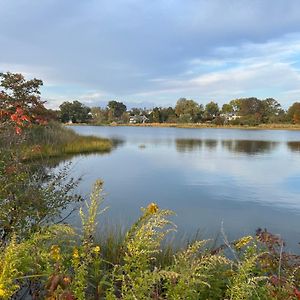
(152, 52)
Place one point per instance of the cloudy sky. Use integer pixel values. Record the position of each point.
(152, 52)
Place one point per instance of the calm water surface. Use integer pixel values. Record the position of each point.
(243, 179)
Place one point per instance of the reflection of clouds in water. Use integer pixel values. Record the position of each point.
(244, 178)
(259, 179)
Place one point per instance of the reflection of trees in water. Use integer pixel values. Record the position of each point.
(249, 147)
(236, 146)
(116, 142)
(190, 145)
(210, 144)
(294, 146)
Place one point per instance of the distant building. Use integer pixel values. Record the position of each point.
(229, 116)
(138, 119)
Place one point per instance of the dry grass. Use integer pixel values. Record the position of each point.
(210, 125)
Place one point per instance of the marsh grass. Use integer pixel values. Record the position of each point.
(54, 140)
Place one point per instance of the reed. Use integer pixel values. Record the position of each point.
(54, 140)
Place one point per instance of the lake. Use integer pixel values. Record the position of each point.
(243, 179)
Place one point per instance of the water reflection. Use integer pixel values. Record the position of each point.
(243, 179)
(190, 145)
(117, 142)
(249, 147)
(294, 146)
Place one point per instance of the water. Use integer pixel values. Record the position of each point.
(243, 179)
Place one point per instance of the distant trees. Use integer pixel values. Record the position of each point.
(188, 111)
(253, 111)
(211, 111)
(293, 113)
(162, 115)
(99, 115)
(155, 115)
(74, 111)
(115, 110)
(227, 108)
(243, 111)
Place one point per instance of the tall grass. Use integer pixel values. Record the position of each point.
(128, 265)
(55, 140)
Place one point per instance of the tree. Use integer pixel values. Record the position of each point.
(99, 115)
(236, 105)
(155, 116)
(168, 115)
(250, 110)
(227, 108)
(211, 110)
(116, 109)
(74, 111)
(272, 110)
(293, 113)
(188, 110)
(20, 102)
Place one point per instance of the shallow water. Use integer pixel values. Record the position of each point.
(243, 179)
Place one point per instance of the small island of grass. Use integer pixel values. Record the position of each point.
(55, 140)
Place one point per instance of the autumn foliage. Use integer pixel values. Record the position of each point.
(20, 103)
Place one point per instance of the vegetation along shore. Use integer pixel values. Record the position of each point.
(137, 263)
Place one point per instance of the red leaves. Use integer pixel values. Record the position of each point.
(297, 293)
(18, 130)
(57, 281)
(19, 118)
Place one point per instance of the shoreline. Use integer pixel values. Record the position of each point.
(198, 126)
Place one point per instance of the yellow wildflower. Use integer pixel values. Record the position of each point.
(55, 252)
(243, 242)
(2, 291)
(97, 249)
(152, 208)
(66, 280)
(75, 253)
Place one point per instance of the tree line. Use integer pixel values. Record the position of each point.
(243, 111)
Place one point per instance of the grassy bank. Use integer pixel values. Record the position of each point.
(209, 125)
(55, 140)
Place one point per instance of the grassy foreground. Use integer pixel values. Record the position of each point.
(55, 140)
(67, 265)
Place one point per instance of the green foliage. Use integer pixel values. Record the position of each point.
(17, 92)
(293, 113)
(75, 112)
(54, 140)
(196, 275)
(211, 110)
(115, 110)
(71, 266)
(188, 110)
(142, 244)
(244, 284)
(18, 264)
(30, 196)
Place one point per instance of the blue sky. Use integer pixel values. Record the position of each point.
(147, 53)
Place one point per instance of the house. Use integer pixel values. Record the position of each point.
(138, 119)
(229, 116)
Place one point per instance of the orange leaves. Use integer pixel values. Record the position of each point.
(19, 118)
